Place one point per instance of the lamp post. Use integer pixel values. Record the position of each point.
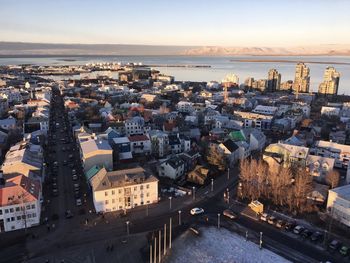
(260, 243)
(218, 220)
(212, 184)
(228, 173)
(170, 202)
(194, 192)
(179, 217)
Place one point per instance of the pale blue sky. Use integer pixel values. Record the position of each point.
(177, 22)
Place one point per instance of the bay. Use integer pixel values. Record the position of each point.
(219, 66)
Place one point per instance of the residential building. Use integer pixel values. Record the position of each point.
(20, 202)
(184, 106)
(338, 204)
(255, 120)
(273, 80)
(330, 83)
(24, 158)
(330, 111)
(302, 78)
(340, 152)
(140, 145)
(266, 110)
(159, 143)
(134, 126)
(319, 166)
(230, 151)
(173, 168)
(121, 149)
(96, 152)
(198, 175)
(123, 189)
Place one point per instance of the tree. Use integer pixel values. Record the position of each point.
(332, 178)
(216, 157)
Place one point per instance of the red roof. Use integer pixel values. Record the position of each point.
(136, 138)
(17, 187)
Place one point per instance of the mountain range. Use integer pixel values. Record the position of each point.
(18, 49)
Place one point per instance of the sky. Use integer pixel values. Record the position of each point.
(181, 22)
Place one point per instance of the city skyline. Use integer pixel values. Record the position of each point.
(177, 23)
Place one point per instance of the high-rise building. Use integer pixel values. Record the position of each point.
(273, 80)
(302, 78)
(330, 82)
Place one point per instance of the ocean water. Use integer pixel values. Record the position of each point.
(219, 66)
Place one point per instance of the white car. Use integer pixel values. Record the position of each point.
(264, 217)
(197, 211)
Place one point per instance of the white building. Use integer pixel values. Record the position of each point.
(159, 143)
(330, 111)
(255, 120)
(173, 168)
(184, 106)
(20, 205)
(134, 126)
(96, 152)
(140, 144)
(338, 204)
(340, 152)
(267, 110)
(123, 189)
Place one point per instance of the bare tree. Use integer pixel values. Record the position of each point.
(332, 178)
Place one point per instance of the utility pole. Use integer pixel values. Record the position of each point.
(212, 184)
(150, 253)
(218, 220)
(164, 239)
(170, 234)
(159, 246)
(179, 217)
(155, 250)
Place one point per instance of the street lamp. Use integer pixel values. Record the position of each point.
(194, 192)
(218, 220)
(127, 227)
(212, 184)
(260, 243)
(170, 202)
(179, 217)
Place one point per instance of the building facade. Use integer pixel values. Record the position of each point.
(330, 83)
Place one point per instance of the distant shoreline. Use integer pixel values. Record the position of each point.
(287, 61)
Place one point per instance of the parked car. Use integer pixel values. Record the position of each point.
(289, 226)
(74, 177)
(55, 192)
(78, 202)
(197, 211)
(306, 233)
(298, 229)
(68, 214)
(334, 245)
(316, 236)
(264, 217)
(279, 223)
(230, 214)
(271, 220)
(344, 251)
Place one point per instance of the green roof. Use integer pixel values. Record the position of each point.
(93, 170)
(237, 136)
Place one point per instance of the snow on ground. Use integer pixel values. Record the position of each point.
(219, 245)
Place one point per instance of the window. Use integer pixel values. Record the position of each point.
(33, 206)
(0, 212)
(13, 218)
(12, 210)
(135, 188)
(28, 207)
(18, 217)
(147, 194)
(34, 215)
(29, 215)
(120, 207)
(7, 219)
(23, 216)
(135, 196)
(113, 192)
(120, 191)
(147, 186)
(106, 193)
(141, 187)
(113, 201)
(6, 211)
